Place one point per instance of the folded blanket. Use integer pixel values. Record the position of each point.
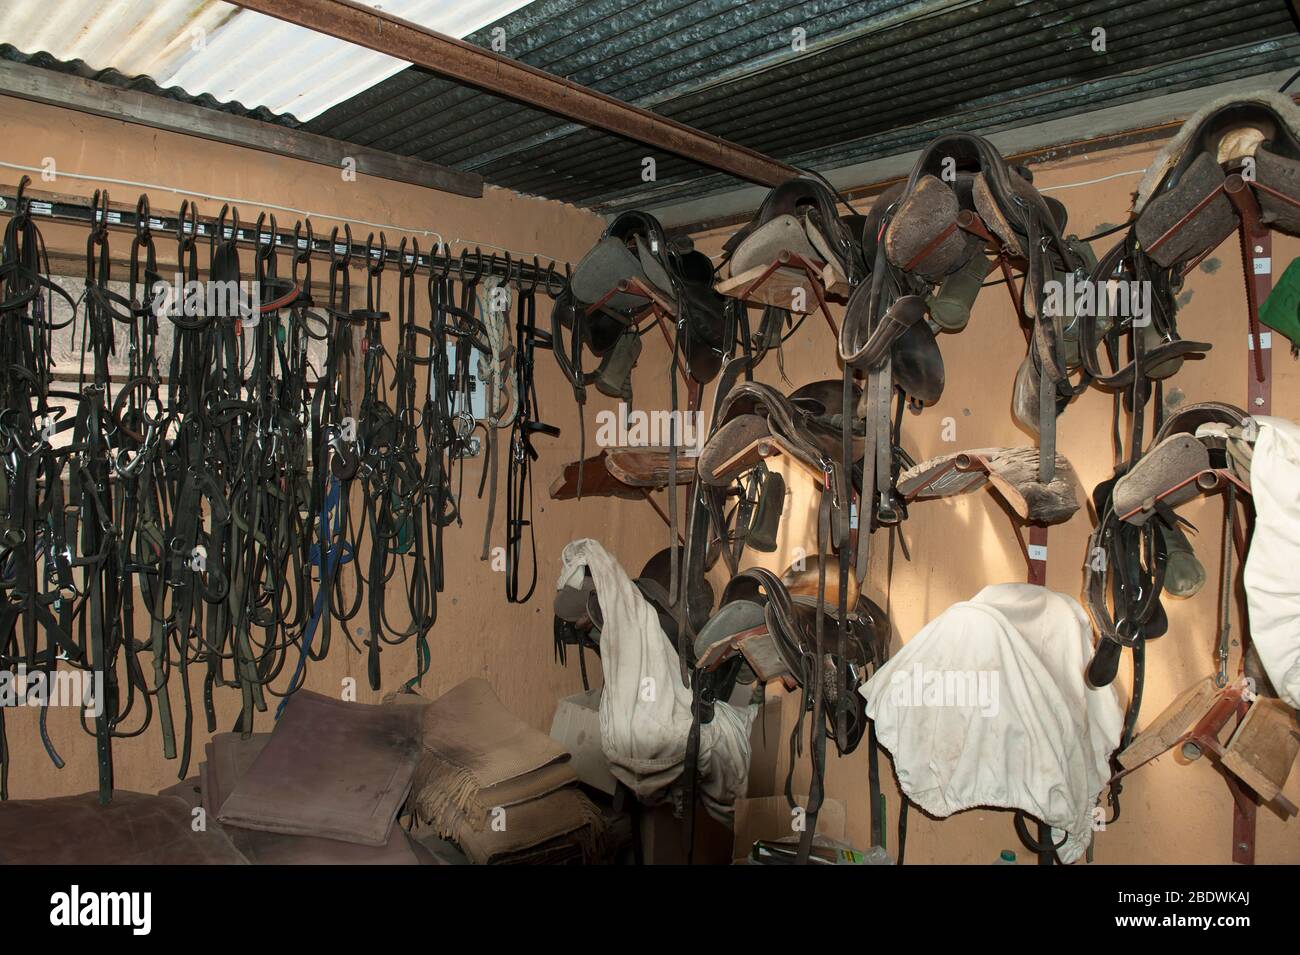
(1272, 592)
(229, 757)
(478, 755)
(563, 826)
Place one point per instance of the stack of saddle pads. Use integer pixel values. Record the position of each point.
(324, 788)
(501, 790)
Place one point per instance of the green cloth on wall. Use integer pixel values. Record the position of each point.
(1281, 310)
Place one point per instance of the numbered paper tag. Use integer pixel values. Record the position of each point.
(1264, 266)
(1265, 341)
(1038, 552)
(853, 515)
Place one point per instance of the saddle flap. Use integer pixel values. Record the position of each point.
(733, 449)
(765, 245)
(1209, 226)
(833, 238)
(912, 240)
(653, 269)
(1184, 573)
(725, 631)
(1024, 394)
(764, 657)
(1176, 459)
(918, 364)
(1281, 174)
(950, 306)
(608, 263)
(571, 602)
(986, 204)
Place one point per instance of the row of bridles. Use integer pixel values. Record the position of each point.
(213, 486)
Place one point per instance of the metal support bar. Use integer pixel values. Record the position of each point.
(502, 76)
(1257, 267)
(1210, 479)
(1255, 248)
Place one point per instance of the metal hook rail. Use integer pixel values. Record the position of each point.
(549, 277)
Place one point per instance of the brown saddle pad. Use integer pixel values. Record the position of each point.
(331, 769)
(134, 829)
(228, 758)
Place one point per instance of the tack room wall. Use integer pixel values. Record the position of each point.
(478, 633)
(1173, 811)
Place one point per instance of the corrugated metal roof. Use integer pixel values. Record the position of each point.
(144, 84)
(215, 48)
(872, 78)
(876, 78)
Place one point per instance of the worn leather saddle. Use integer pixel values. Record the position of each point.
(775, 634)
(960, 172)
(753, 417)
(1138, 533)
(928, 229)
(603, 301)
(1256, 136)
(798, 216)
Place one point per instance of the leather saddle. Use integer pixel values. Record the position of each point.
(960, 172)
(1138, 534)
(1183, 211)
(602, 303)
(762, 631)
(1255, 136)
(754, 417)
(605, 298)
(798, 216)
(929, 230)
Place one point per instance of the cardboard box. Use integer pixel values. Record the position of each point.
(576, 727)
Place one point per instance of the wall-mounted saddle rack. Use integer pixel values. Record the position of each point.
(301, 240)
(663, 313)
(774, 284)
